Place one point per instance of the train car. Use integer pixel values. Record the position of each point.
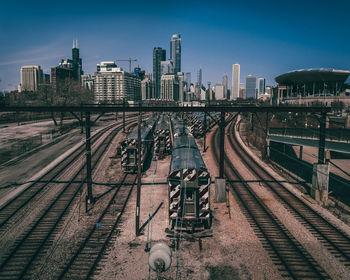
(189, 186)
(197, 125)
(179, 127)
(162, 141)
(129, 147)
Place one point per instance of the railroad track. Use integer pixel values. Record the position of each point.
(291, 259)
(17, 203)
(83, 263)
(335, 240)
(21, 259)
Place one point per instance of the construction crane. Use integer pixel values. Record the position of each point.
(130, 60)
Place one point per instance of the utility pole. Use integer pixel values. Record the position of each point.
(222, 145)
(89, 197)
(124, 116)
(138, 197)
(205, 132)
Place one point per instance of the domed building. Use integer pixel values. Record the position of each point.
(313, 86)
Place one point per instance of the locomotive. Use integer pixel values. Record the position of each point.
(189, 183)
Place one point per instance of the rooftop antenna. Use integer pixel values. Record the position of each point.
(73, 44)
(76, 43)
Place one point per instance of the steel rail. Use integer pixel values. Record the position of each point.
(36, 238)
(11, 207)
(291, 257)
(92, 248)
(338, 241)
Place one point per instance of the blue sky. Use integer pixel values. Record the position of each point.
(266, 38)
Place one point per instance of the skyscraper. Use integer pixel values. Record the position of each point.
(31, 77)
(225, 84)
(188, 80)
(77, 62)
(250, 86)
(236, 69)
(199, 77)
(159, 55)
(261, 86)
(175, 52)
(70, 69)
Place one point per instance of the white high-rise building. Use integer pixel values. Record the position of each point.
(236, 69)
(112, 84)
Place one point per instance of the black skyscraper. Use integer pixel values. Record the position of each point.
(158, 55)
(77, 63)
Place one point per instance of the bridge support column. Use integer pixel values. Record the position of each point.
(322, 137)
(320, 181)
(301, 152)
(220, 189)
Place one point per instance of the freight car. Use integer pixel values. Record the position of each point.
(189, 184)
(162, 141)
(129, 147)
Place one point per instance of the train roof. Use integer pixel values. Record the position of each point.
(180, 128)
(146, 128)
(184, 141)
(183, 158)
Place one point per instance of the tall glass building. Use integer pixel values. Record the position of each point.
(188, 80)
(250, 85)
(159, 55)
(261, 86)
(175, 52)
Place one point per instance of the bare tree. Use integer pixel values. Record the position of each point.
(68, 93)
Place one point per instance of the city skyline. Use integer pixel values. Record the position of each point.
(264, 47)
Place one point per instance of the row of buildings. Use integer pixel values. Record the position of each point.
(111, 84)
(253, 87)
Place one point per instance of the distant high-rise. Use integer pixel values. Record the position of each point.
(175, 52)
(167, 67)
(199, 78)
(250, 86)
(188, 80)
(261, 86)
(225, 84)
(236, 69)
(219, 92)
(31, 77)
(169, 87)
(159, 55)
(68, 69)
(113, 85)
(241, 91)
(77, 62)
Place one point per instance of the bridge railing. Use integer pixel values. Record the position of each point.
(332, 134)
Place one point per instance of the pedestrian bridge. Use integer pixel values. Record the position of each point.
(337, 140)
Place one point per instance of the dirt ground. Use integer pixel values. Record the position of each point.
(233, 252)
